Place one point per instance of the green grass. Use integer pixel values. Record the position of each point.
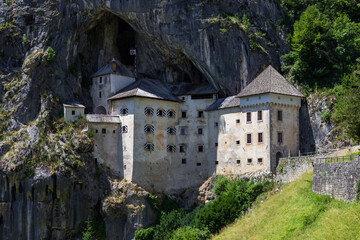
(297, 213)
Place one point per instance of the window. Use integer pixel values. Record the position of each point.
(149, 128)
(100, 80)
(259, 115)
(182, 148)
(200, 131)
(183, 98)
(198, 164)
(279, 115)
(149, 147)
(160, 112)
(216, 162)
(280, 137)
(260, 137)
(216, 144)
(114, 131)
(248, 117)
(260, 160)
(124, 129)
(183, 161)
(249, 161)
(248, 138)
(124, 111)
(171, 131)
(171, 113)
(200, 114)
(216, 124)
(99, 94)
(96, 131)
(203, 96)
(103, 131)
(183, 114)
(238, 161)
(171, 148)
(238, 142)
(149, 111)
(73, 112)
(237, 121)
(200, 148)
(182, 131)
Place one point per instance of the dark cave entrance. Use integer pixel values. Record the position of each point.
(126, 41)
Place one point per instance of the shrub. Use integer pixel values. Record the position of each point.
(168, 223)
(50, 54)
(190, 233)
(145, 234)
(325, 115)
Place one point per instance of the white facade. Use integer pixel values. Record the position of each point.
(72, 112)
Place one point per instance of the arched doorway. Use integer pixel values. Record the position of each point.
(100, 110)
(278, 156)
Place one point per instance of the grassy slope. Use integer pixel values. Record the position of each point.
(297, 213)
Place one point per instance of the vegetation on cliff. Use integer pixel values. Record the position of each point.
(297, 213)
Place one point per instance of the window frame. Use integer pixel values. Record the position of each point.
(260, 116)
(279, 115)
(201, 114)
(262, 137)
(248, 116)
(280, 137)
(200, 147)
(249, 162)
(247, 138)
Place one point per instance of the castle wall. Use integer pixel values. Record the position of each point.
(127, 132)
(69, 117)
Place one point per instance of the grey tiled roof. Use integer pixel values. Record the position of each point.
(191, 89)
(121, 69)
(98, 118)
(73, 105)
(270, 81)
(149, 88)
(221, 103)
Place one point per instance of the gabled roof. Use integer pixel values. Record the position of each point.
(270, 81)
(222, 103)
(73, 105)
(121, 69)
(148, 88)
(192, 89)
(99, 118)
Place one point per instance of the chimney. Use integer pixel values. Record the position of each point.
(113, 66)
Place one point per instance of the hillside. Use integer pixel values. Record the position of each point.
(297, 213)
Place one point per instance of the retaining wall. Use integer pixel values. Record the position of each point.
(289, 169)
(337, 180)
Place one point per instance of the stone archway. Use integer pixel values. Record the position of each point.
(100, 110)
(278, 156)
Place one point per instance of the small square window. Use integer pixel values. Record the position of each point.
(237, 121)
(216, 144)
(183, 161)
(216, 162)
(103, 130)
(238, 142)
(114, 131)
(260, 160)
(96, 131)
(183, 98)
(182, 148)
(200, 148)
(216, 124)
(198, 164)
(249, 161)
(182, 131)
(125, 129)
(248, 138)
(200, 131)
(238, 161)
(248, 117)
(183, 114)
(200, 114)
(73, 112)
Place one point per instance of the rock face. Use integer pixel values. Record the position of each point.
(176, 41)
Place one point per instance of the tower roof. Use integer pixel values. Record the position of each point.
(121, 69)
(270, 81)
(222, 103)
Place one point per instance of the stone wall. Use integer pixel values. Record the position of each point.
(337, 180)
(289, 169)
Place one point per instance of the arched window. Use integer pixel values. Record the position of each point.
(171, 113)
(149, 111)
(149, 128)
(171, 148)
(149, 147)
(171, 130)
(160, 112)
(124, 111)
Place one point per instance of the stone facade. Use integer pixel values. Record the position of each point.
(72, 112)
(338, 180)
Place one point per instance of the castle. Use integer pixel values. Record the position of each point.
(170, 137)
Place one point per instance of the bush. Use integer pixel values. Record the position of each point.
(325, 115)
(190, 233)
(145, 234)
(50, 54)
(168, 223)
